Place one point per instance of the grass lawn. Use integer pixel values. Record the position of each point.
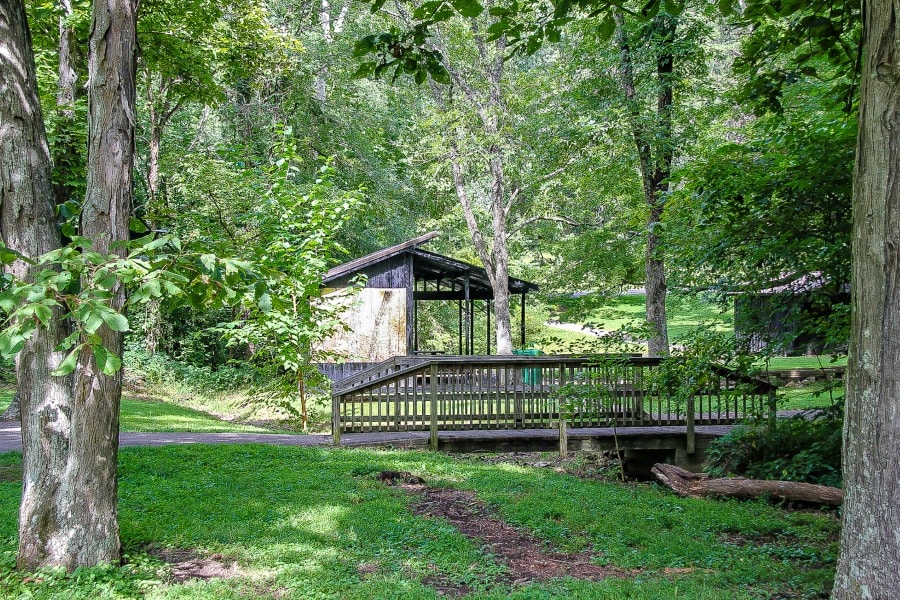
(154, 415)
(315, 523)
(809, 396)
(685, 314)
(806, 362)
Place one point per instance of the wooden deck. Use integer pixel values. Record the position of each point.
(440, 394)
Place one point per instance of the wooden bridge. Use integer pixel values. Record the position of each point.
(470, 393)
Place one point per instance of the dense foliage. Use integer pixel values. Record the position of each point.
(806, 448)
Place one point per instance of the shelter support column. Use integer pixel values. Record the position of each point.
(468, 309)
(522, 321)
(488, 311)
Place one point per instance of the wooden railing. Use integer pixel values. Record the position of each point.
(523, 392)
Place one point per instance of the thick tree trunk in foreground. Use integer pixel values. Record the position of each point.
(104, 220)
(70, 444)
(687, 484)
(870, 539)
(28, 224)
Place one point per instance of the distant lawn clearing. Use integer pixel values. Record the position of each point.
(155, 415)
(316, 523)
(685, 314)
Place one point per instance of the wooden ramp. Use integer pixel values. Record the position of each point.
(509, 393)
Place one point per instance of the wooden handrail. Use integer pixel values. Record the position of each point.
(509, 392)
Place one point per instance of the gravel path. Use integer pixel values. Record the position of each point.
(11, 438)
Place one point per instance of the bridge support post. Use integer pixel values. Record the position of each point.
(433, 427)
(773, 408)
(336, 419)
(691, 444)
(563, 437)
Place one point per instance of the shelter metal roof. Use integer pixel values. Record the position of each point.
(430, 266)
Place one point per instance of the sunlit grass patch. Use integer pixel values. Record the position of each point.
(155, 415)
(315, 523)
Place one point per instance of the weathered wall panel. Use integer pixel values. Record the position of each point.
(393, 273)
(376, 326)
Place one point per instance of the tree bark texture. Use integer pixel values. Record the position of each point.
(104, 220)
(489, 106)
(655, 148)
(67, 161)
(70, 426)
(870, 539)
(28, 225)
(693, 485)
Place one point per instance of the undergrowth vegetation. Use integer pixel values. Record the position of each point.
(232, 390)
(316, 523)
(800, 448)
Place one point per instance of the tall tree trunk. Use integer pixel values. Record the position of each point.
(655, 147)
(331, 26)
(495, 256)
(104, 220)
(28, 225)
(153, 319)
(70, 444)
(67, 165)
(870, 544)
(65, 154)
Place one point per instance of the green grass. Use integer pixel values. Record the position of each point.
(301, 521)
(810, 396)
(685, 314)
(154, 415)
(6, 396)
(806, 362)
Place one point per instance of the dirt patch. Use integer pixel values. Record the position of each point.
(521, 553)
(11, 474)
(598, 466)
(187, 564)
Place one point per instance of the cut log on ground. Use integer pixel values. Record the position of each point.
(694, 485)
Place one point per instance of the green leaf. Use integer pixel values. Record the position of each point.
(726, 7)
(468, 8)
(7, 302)
(674, 7)
(208, 261)
(68, 364)
(607, 28)
(115, 321)
(265, 302)
(43, 314)
(137, 226)
(562, 8)
(8, 256)
(107, 362)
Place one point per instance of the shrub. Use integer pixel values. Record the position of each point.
(794, 449)
(158, 368)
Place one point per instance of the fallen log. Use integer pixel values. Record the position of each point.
(695, 485)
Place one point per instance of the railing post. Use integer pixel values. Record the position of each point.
(773, 408)
(336, 419)
(691, 446)
(563, 436)
(433, 438)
